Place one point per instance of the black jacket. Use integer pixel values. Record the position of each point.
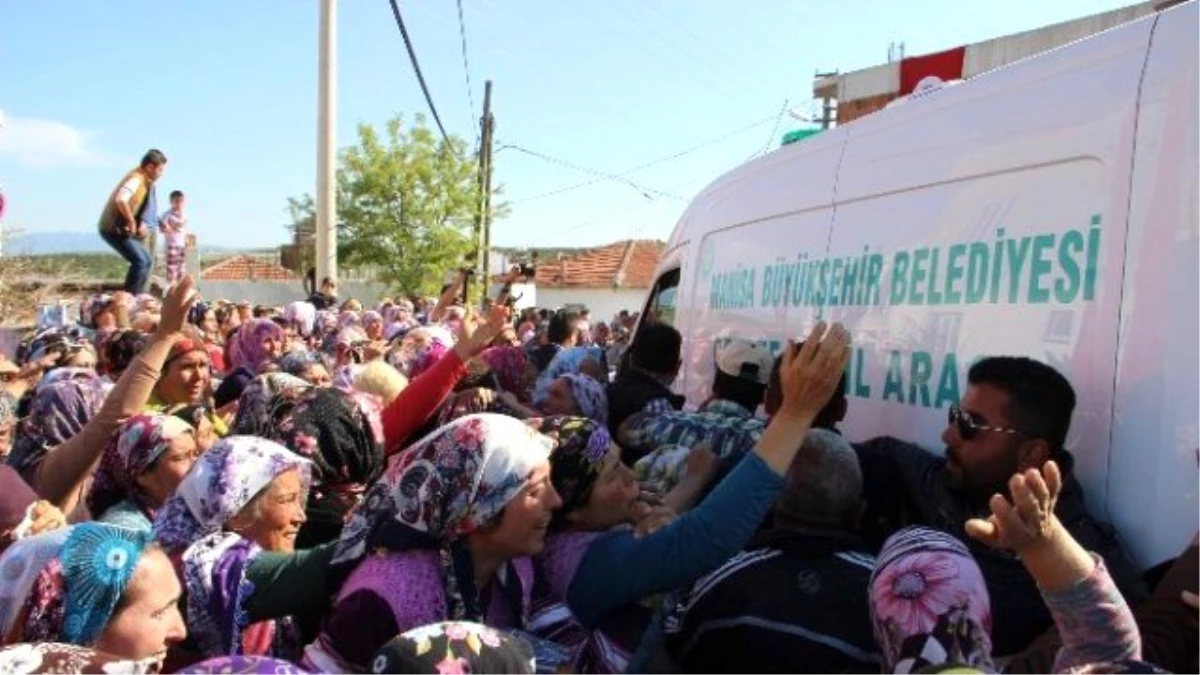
(794, 602)
(904, 484)
(628, 395)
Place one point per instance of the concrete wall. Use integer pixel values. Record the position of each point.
(605, 303)
(282, 292)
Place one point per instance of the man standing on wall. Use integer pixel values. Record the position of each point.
(121, 223)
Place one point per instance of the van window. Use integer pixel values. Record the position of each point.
(663, 300)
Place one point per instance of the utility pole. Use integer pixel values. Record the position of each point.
(326, 225)
(483, 216)
(827, 109)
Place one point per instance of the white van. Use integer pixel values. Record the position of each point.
(1047, 209)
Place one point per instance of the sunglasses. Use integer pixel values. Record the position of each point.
(968, 428)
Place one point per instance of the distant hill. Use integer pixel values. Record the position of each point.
(52, 243)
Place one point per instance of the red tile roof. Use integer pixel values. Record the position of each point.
(247, 268)
(625, 264)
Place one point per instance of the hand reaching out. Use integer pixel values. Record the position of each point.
(1029, 520)
(809, 375)
(176, 306)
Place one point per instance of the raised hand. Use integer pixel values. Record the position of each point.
(1029, 520)
(809, 375)
(176, 307)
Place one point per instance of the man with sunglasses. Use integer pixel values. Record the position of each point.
(1014, 416)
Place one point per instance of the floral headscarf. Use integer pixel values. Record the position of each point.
(140, 441)
(247, 350)
(259, 665)
(371, 317)
(68, 659)
(508, 364)
(454, 647)
(303, 315)
(453, 481)
(263, 397)
(76, 593)
(20, 565)
(929, 604)
(8, 414)
(566, 361)
(576, 461)
(58, 412)
(419, 350)
(350, 319)
(341, 433)
(223, 481)
(589, 396)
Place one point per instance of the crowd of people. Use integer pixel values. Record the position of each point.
(194, 486)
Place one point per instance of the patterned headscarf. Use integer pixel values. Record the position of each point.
(370, 317)
(508, 364)
(341, 433)
(261, 399)
(58, 412)
(454, 647)
(296, 362)
(247, 350)
(8, 413)
(20, 565)
(303, 315)
(223, 481)
(68, 659)
(453, 481)
(589, 396)
(122, 348)
(258, 665)
(140, 441)
(576, 461)
(929, 604)
(349, 318)
(566, 361)
(419, 350)
(76, 593)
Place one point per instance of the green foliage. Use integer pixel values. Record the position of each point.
(407, 203)
(85, 266)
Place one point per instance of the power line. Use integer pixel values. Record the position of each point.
(462, 34)
(774, 130)
(655, 162)
(412, 55)
(647, 192)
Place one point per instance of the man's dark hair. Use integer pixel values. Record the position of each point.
(746, 393)
(830, 415)
(562, 327)
(656, 348)
(122, 349)
(1040, 399)
(154, 158)
(176, 194)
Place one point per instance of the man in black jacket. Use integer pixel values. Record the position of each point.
(1014, 416)
(643, 383)
(796, 600)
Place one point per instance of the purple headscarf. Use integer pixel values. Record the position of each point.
(58, 412)
(247, 350)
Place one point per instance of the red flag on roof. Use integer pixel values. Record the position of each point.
(947, 65)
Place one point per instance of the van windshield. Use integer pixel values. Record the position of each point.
(663, 300)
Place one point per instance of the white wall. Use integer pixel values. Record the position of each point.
(605, 303)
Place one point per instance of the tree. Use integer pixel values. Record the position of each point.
(406, 205)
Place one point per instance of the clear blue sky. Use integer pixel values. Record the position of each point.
(228, 90)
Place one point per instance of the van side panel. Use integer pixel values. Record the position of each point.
(1152, 485)
(773, 212)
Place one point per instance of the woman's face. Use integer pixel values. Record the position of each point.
(317, 375)
(521, 530)
(185, 379)
(208, 323)
(148, 620)
(613, 497)
(231, 323)
(559, 399)
(274, 518)
(375, 330)
(272, 345)
(165, 473)
(6, 436)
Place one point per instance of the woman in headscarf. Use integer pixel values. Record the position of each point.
(224, 665)
(372, 323)
(242, 500)
(186, 380)
(68, 659)
(512, 369)
(454, 647)
(302, 316)
(141, 467)
(307, 366)
(204, 318)
(108, 588)
(341, 433)
(586, 360)
(445, 534)
(258, 345)
(264, 397)
(59, 410)
(930, 606)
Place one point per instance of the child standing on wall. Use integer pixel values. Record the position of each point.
(173, 224)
